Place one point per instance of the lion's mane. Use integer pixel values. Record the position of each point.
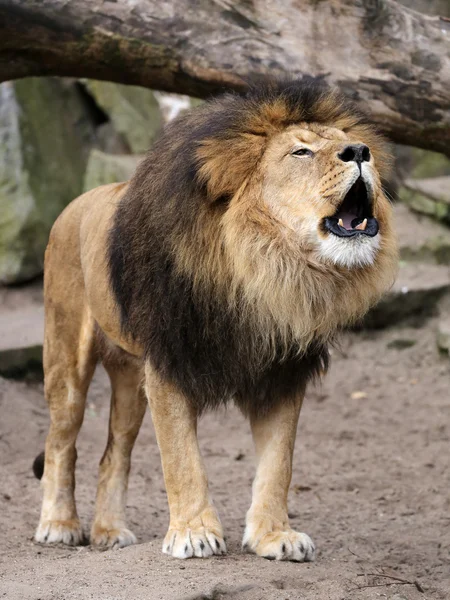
(209, 328)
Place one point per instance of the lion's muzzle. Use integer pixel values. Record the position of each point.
(354, 216)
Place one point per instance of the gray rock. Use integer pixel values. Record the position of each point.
(134, 111)
(415, 296)
(415, 163)
(110, 141)
(105, 168)
(21, 339)
(443, 335)
(421, 238)
(45, 138)
(428, 196)
(21, 330)
(429, 7)
(428, 164)
(401, 343)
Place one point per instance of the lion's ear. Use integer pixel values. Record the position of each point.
(224, 164)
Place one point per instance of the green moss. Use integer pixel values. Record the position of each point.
(428, 164)
(425, 204)
(45, 136)
(134, 112)
(105, 168)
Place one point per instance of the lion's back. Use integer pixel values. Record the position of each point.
(75, 271)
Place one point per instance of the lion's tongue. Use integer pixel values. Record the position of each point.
(347, 219)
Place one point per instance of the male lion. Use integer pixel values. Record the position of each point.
(255, 229)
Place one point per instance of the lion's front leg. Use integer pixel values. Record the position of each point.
(267, 531)
(195, 528)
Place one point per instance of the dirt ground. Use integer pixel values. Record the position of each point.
(371, 485)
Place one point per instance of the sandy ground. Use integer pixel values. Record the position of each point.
(371, 485)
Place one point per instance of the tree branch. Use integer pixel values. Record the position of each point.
(394, 62)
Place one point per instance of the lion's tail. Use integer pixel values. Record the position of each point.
(38, 465)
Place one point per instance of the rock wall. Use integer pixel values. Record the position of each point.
(59, 138)
(45, 140)
(134, 112)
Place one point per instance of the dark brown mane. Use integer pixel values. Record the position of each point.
(181, 190)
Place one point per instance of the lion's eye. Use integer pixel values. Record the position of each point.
(302, 152)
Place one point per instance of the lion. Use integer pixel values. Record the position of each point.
(255, 229)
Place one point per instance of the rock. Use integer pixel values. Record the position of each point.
(415, 296)
(428, 196)
(428, 164)
(429, 7)
(420, 237)
(105, 168)
(401, 344)
(416, 163)
(443, 336)
(21, 339)
(109, 140)
(45, 137)
(134, 111)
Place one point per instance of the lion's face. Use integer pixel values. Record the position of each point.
(308, 234)
(323, 186)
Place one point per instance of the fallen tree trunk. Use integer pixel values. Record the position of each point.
(394, 62)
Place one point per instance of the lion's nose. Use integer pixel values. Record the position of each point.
(358, 153)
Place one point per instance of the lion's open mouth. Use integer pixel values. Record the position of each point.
(354, 216)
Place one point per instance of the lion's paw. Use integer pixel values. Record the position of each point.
(283, 545)
(112, 537)
(65, 532)
(187, 543)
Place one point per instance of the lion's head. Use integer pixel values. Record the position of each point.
(260, 215)
(308, 160)
(322, 185)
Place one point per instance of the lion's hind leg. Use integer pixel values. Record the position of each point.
(267, 531)
(128, 405)
(69, 363)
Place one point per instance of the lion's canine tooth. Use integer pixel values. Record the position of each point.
(341, 222)
(362, 225)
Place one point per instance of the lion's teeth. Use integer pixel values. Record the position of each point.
(341, 222)
(362, 225)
